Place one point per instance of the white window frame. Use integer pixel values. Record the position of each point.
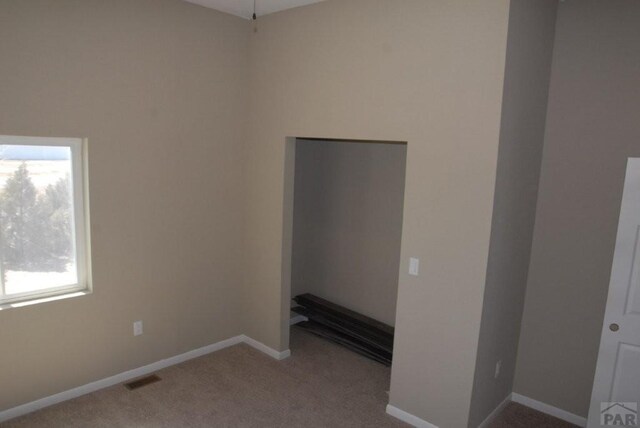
(79, 183)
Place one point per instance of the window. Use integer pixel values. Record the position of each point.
(43, 231)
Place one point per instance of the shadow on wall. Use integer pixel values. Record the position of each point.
(347, 223)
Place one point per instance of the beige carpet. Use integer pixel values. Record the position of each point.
(320, 385)
(518, 416)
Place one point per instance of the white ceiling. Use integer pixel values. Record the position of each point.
(244, 8)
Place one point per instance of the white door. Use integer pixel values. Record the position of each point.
(617, 379)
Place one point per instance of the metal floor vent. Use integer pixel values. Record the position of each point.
(143, 381)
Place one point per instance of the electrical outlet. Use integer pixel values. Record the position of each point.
(498, 368)
(137, 328)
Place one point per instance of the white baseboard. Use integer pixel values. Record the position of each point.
(549, 409)
(495, 412)
(264, 348)
(515, 397)
(23, 409)
(408, 417)
(298, 318)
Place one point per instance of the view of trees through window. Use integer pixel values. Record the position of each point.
(36, 218)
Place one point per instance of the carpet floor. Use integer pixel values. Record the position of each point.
(518, 416)
(320, 385)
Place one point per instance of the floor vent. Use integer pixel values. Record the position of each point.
(144, 381)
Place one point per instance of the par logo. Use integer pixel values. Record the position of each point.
(619, 414)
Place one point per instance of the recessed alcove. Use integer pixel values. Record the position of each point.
(346, 223)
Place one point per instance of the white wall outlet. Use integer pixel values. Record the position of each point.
(137, 328)
(498, 368)
(414, 266)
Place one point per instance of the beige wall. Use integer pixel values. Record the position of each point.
(592, 127)
(524, 109)
(347, 224)
(426, 72)
(157, 86)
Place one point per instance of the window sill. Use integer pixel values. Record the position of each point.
(70, 295)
